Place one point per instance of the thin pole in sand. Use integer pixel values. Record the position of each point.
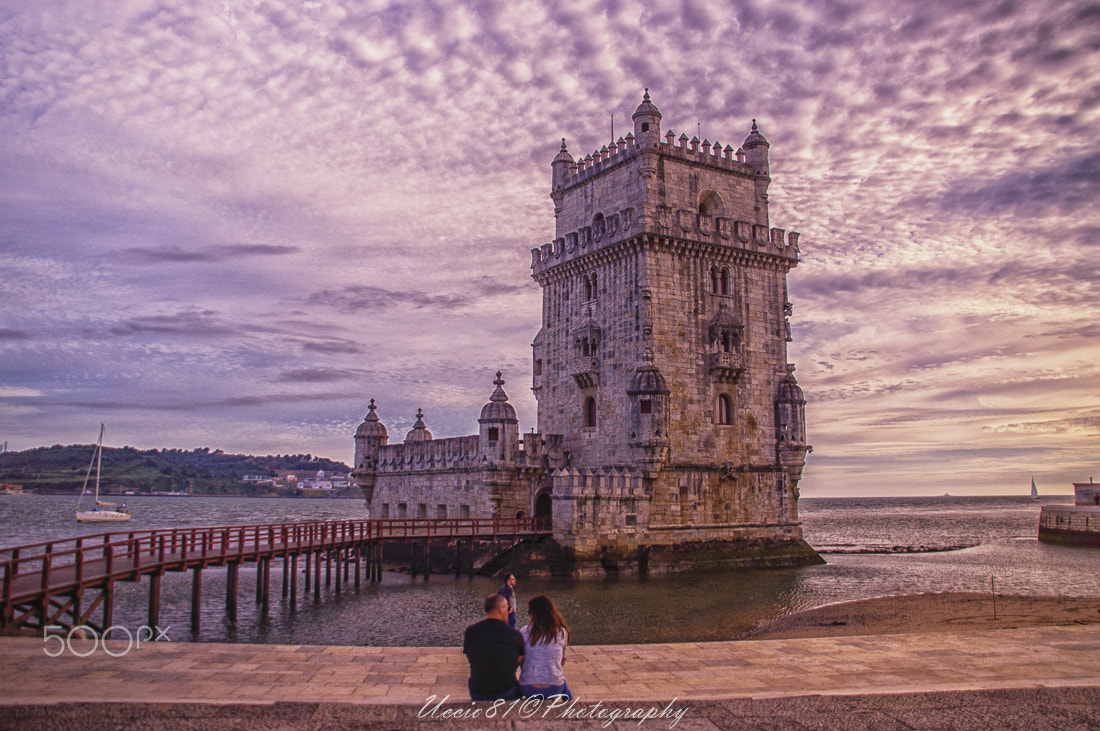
(993, 590)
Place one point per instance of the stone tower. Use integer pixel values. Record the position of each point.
(662, 358)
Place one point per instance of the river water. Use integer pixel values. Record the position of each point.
(873, 546)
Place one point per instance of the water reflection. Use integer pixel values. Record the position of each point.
(687, 607)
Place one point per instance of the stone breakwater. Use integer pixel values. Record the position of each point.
(1075, 526)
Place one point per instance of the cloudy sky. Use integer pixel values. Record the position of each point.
(230, 224)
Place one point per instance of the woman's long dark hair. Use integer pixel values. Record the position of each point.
(546, 621)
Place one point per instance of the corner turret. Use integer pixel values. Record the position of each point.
(370, 437)
(790, 425)
(756, 148)
(562, 167)
(649, 408)
(647, 123)
(756, 154)
(498, 440)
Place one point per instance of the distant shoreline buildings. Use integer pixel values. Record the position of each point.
(671, 429)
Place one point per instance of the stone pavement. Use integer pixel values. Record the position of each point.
(1042, 677)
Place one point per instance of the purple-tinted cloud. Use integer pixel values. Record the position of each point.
(200, 200)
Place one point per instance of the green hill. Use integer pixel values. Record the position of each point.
(61, 469)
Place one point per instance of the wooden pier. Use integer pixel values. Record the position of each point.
(63, 583)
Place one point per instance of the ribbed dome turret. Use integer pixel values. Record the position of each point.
(498, 409)
(563, 154)
(789, 390)
(371, 426)
(419, 432)
(647, 378)
(755, 139)
(646, 108)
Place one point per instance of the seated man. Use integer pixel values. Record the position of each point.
(494, 650)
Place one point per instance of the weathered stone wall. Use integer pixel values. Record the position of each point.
(665, 304)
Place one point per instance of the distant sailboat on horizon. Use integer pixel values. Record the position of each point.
(1034, 490)
(109, 513)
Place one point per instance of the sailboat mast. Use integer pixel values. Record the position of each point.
(98, 462)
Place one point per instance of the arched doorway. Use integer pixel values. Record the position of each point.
(543, 505)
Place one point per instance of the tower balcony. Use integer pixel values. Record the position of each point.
(726, 366)
(586, 371)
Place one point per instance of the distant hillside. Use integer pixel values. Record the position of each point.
(61, 469)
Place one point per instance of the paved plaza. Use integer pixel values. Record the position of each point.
(1035, 678)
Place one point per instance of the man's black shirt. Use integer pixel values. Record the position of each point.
(493, 649)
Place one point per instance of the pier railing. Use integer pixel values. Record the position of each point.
(36, 575)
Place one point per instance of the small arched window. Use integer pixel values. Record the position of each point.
(715, 283)
(725, 409)
(587, 288)
(724, 281)
(595, 288)
(589, 412)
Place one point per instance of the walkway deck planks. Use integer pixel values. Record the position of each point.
(44, 583)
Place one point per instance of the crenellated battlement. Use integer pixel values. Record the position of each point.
(451, 453)
(681, 223)
(689, 149)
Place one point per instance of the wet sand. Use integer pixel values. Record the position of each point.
(917, 613)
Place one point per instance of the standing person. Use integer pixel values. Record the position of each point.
(508, 592)
(494, 650)
(544, 643)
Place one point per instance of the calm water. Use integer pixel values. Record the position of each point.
(860, 539)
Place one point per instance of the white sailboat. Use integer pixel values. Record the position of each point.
(101, 512)
(1034, 490)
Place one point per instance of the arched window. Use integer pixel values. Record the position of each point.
(595, 289)
(587, 288)
(725, 409)
(710, 204)
(589, 412)
(724, 283)
(715, 283)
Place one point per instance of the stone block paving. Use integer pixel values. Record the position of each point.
(1037, 678)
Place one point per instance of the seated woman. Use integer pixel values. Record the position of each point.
(544, 643)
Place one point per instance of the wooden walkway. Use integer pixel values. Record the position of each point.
(62, 583)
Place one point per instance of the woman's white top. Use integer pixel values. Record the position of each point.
(542, 662)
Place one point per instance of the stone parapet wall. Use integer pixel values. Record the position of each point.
(453, 453)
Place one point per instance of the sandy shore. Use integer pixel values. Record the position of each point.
(930, 613)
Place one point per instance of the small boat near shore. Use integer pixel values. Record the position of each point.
(101, 512)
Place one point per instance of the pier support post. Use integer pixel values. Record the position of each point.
(286, 576)
(154, 600)
(196, 598)
(231, 580)
(263, 578)
(317, 578)
(294, 578)
(339, 560)
(108, 597)
(308, 571)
